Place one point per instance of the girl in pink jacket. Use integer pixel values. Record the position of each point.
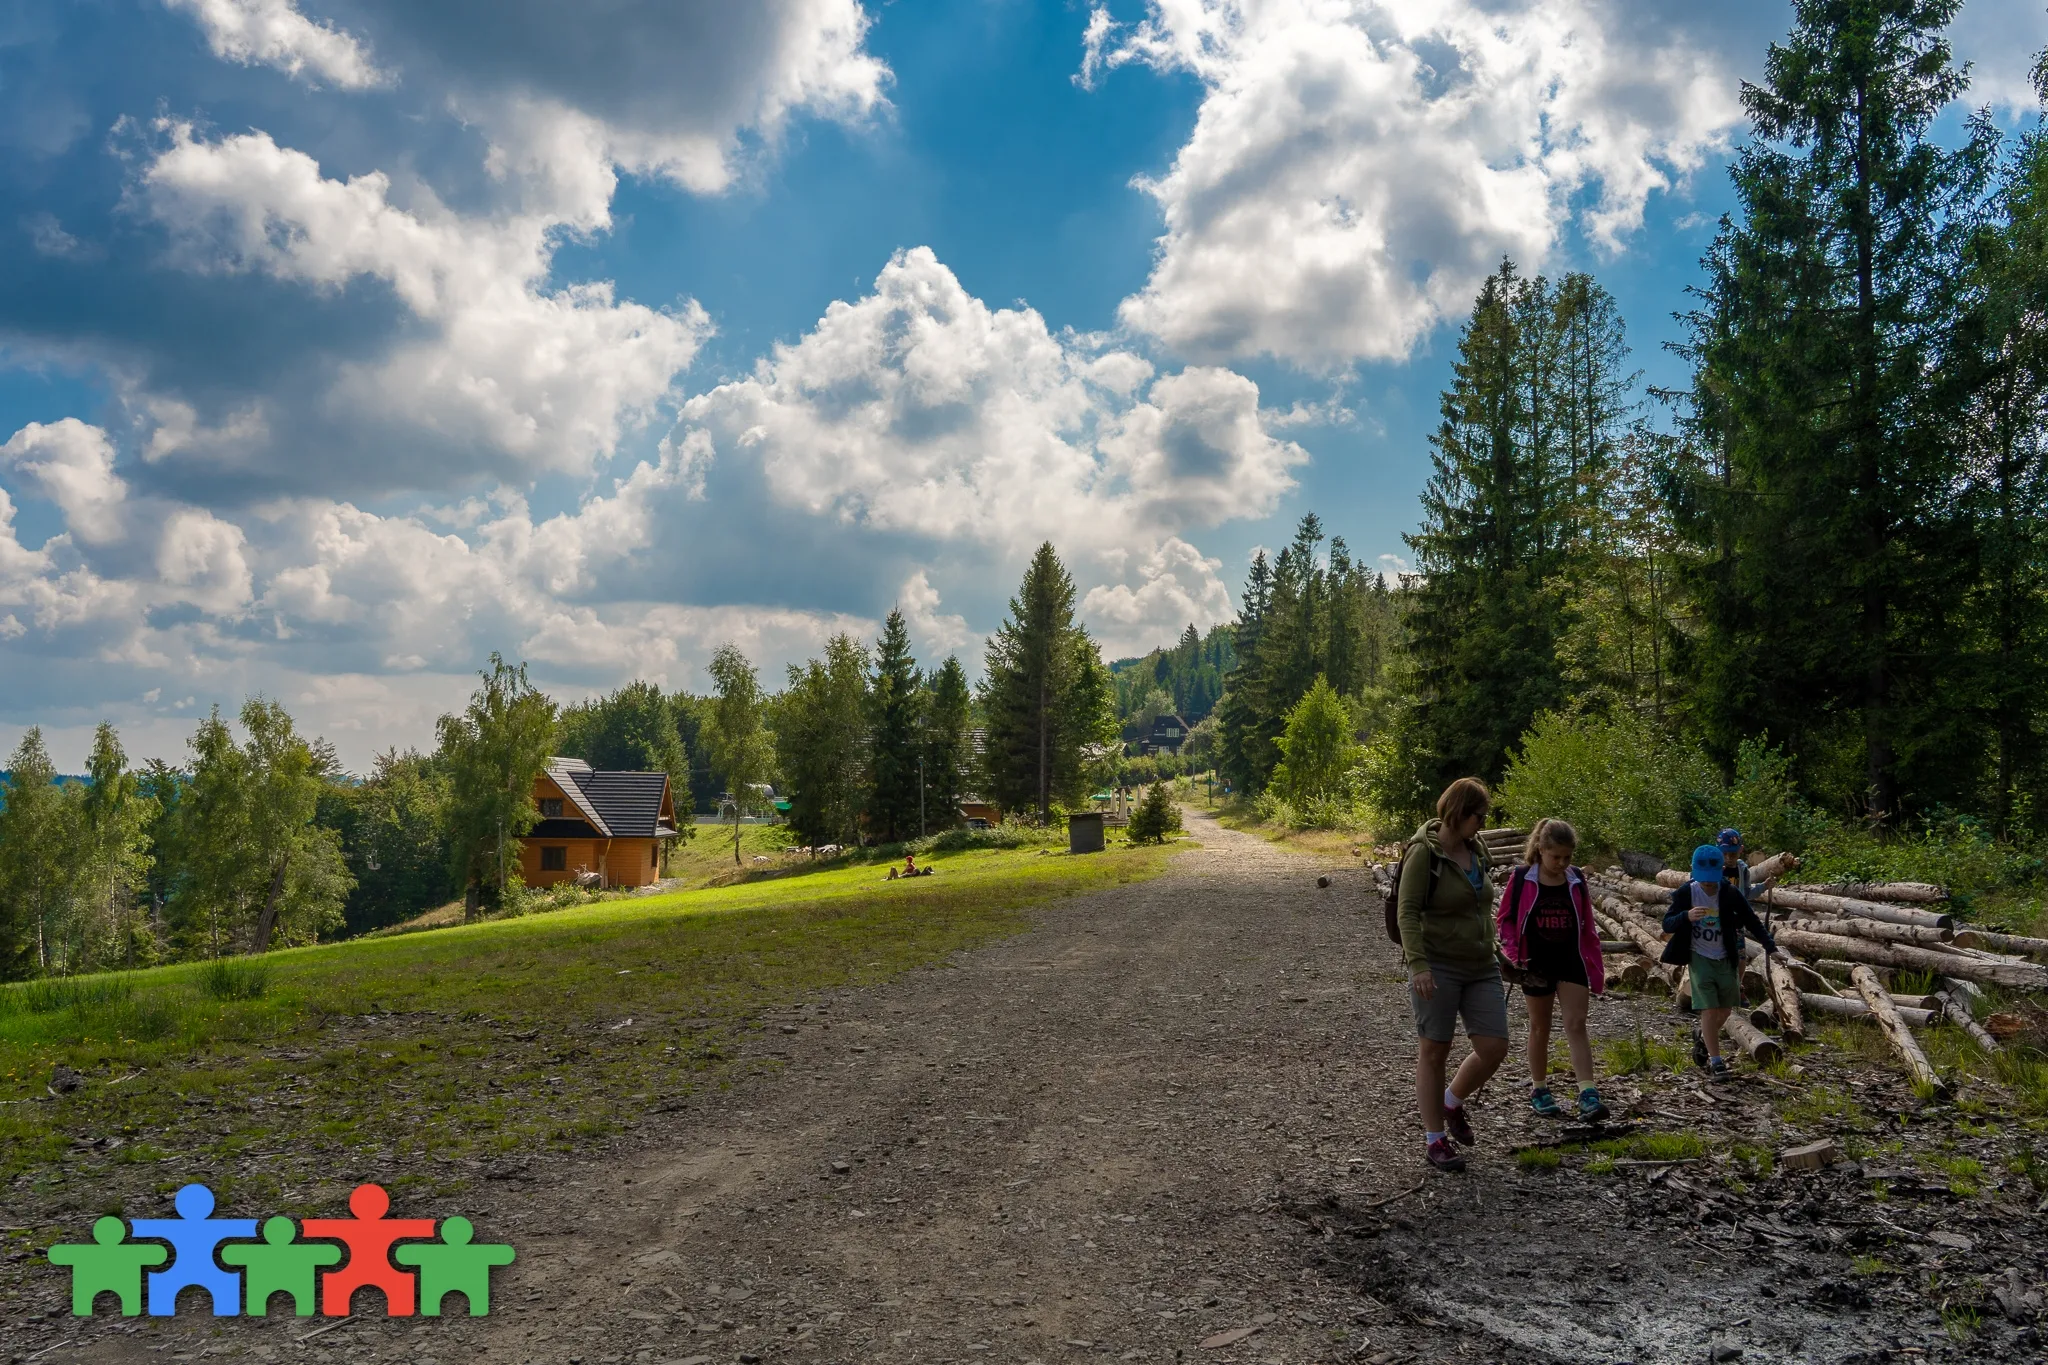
(1546, 929)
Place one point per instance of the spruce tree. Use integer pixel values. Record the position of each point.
(946, 745)
(1823, 346)
(894, 697)
(1047, 700)
(2006, 495)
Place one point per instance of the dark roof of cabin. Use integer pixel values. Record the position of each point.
(617, 805)
(629, 803)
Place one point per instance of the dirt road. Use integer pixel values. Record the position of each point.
(1170, 1122)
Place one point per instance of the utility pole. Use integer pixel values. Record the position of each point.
(920, 792)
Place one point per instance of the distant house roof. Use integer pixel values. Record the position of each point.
(1168, 730)
(616, 805)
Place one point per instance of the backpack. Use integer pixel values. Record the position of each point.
(1393, 906)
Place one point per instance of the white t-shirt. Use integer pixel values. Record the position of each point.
(1706, 931)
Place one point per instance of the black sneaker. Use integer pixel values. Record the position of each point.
(1459, 1127)
(1699, 1048)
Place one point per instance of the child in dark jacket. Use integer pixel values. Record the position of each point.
(1546, 929)
(1706, 922)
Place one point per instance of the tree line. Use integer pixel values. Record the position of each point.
(259, 839)
(1828, 563)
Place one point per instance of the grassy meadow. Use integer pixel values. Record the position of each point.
(422, 1059)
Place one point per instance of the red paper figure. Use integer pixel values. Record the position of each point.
(368, 1237)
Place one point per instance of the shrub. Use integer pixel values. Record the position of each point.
(1764, 803)
(1156, 816)
(1956, 851)
(1317, 751)
(1009, 834)
(1616, 779)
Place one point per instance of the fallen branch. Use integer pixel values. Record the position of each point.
(1382, 1203)
(1901, 1038)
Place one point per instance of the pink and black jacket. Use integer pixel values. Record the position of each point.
(1513, 917)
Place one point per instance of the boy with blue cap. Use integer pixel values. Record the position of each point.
(1706, 921)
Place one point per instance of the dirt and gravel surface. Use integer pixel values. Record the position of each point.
(1171, 1122)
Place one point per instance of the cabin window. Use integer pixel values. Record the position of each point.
(555, 859)
(551, 808)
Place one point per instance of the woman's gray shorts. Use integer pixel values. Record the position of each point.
(1479, 996)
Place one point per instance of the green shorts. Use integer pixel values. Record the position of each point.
(1715, 984)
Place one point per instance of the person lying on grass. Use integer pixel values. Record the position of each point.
(1546, 929)
(1706, 921)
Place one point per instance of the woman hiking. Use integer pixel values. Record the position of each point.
(1447, 944)
(1546, 929)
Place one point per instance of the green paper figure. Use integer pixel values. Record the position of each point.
(453, 1266)
(107, 1264)
(278, 1265)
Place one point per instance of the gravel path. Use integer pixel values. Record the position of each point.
(1172, 1114)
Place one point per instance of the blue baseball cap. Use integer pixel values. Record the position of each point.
(1707, 864)
(1729, 838)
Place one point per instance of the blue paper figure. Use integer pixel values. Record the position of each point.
(193, 1235)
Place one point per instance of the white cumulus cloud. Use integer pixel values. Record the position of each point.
(274, 33)
(1357, 166)
(921, 410)
(531, 378)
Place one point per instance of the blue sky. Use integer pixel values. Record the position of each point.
(343, 342)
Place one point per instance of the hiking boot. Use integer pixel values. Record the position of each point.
(1544, 1103)
(1443, 1154)
(1717, 1069)
(1699, 1048)
(1590, 1108)
(1459, 1127)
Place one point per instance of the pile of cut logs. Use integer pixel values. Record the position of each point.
(1838, 945)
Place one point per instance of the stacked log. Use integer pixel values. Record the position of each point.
(1896, 1033)
(2002, 943)
(1843, 1007)
(1799, 899)
(1911, 892)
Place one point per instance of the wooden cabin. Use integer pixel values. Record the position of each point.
(613, 824)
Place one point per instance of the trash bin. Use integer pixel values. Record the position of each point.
(1084, 832)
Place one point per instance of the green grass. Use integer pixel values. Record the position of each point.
(396, 1056)
(231, 978)
(1680, 1146)
(1870, 1265)
(1600, 1165)
(1538, 1159)
(1965, 1174)
(1819, 1106)
(1642, 1053)
(1961, 1321)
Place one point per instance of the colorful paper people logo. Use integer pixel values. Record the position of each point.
(350, 1254)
